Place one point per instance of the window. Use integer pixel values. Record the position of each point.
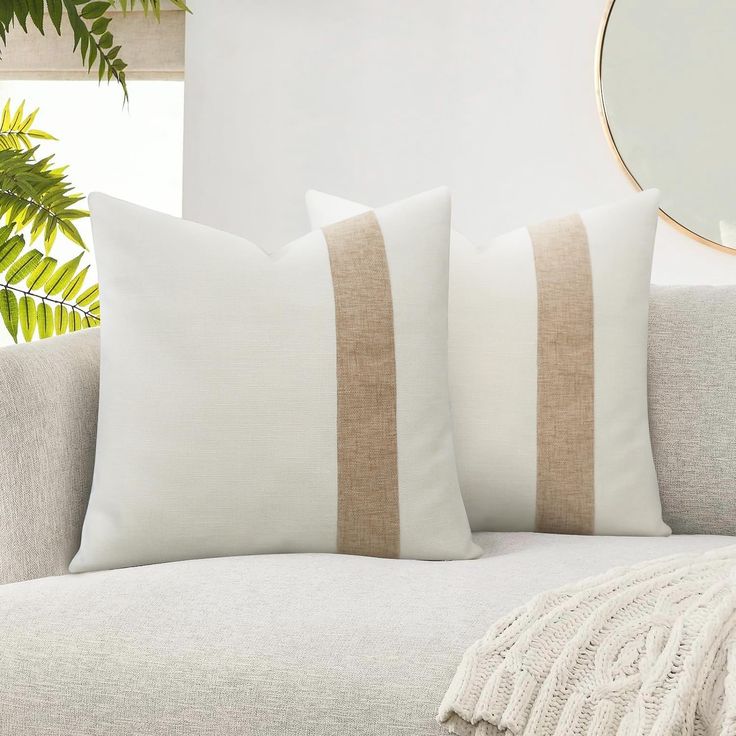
(132, 151)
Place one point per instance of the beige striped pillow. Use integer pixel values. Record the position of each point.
(548, 371)
(288, 403)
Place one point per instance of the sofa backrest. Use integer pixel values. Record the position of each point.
(48, 421)
(692, 405)
(48, 416)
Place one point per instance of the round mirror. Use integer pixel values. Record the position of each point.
(666, 73)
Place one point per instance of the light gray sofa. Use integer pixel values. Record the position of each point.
(300, 644)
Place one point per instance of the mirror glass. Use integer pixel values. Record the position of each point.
(667, 86)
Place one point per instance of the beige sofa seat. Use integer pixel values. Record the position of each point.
(274, 645)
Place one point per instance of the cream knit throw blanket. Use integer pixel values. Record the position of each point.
(649, 650)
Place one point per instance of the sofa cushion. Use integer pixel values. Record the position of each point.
(293, 402)
(692, 405)
(273, 645)
(547, 366)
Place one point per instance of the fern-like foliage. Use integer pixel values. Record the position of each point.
(16, 131)
(34, 194)
(89, 21)
(39, 296)
(37, 195)
(150, 5)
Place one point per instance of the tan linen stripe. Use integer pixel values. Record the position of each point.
(565, 378)
(367, 454)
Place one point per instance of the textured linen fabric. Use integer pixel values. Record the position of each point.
(692, 407)
(367, 481)
(521, 313)
(48, 416)
(311, 644)
(222, 389)
(565, 500)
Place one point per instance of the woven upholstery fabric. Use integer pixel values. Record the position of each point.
(692, 405)
(291, 402)
(275, 645)
(48, 416)
(548, 370)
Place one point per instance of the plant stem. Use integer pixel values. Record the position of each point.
(76, 308)
(13, 193)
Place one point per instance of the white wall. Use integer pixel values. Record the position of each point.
(378, 99)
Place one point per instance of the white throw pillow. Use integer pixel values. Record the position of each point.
(254, 403)
(548, 371)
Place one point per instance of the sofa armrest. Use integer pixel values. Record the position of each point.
(48, 420)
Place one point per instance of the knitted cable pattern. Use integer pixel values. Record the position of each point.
(646, 650)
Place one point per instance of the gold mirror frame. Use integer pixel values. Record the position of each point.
(612, 142)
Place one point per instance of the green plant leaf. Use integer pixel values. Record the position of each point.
(126, 5)
(36, 193)
(18, 117)
(94, 9)
(45, 320)
(61, 319)
(21, 13)
(89, 21)
(75, 321)
(55, 10)
(36, 199)
(6, 116)
(74, 285)
(6, 12)
(41, 273)
(23, 266)
(89, 295)
(92, 57)
(61, 277)
(9, 312)
(100, 26)
(27, 317)
(15, 128)
(10, 250)
(88, 38)
(36, 9)
(41, 135)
